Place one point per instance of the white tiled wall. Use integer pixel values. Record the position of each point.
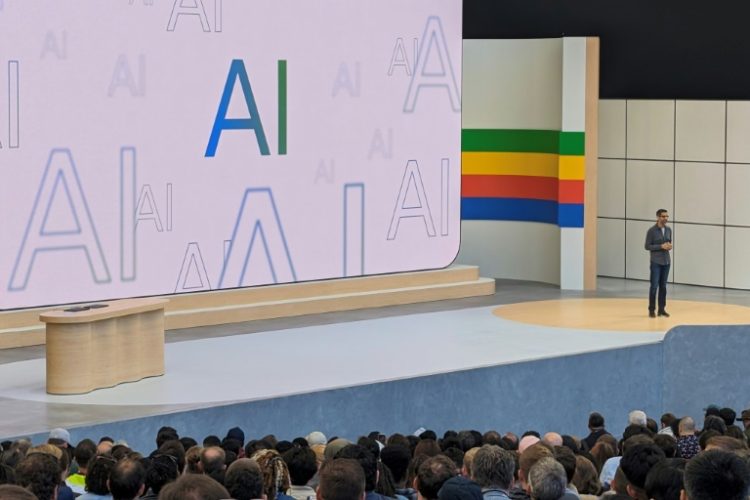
(690, 157)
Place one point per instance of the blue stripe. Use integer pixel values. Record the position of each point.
(570, 215)
(519, 209)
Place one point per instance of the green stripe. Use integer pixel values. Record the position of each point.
(282, 106)
(522, 141)
(572, 143)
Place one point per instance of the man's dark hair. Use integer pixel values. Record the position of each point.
(652, 425)
(302, 464)
(211, 440)
(40, 474)
(366, 460)
(667, 419)
(194, 487)
(638, 460)
(634, 430)
(244, 480)
(284, 446)
(492, 437)
(433, 473)
(728, 415)
(256, 445)
(300, 442)
(15, 492)
(428, 434)
(567, 459)
(166, 433)
(667, 443)
(717, 475)
(452, 442)
(396, 458)
(231, 444)
(83, 452)
(713, 422)
(456, 455)
(341, 479)
(188, 442)
(661, 211)
(706, 436)
(665, 479)
(7, 474)
(173, 448)
(126, 479)
(468, 440)
(97, 474)
(531, 433)
(371, 445)
(493, 467)
(596, 420)
(161, 470)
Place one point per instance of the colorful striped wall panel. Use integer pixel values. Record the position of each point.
(523, 175)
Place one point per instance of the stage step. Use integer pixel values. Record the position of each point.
(22, 328)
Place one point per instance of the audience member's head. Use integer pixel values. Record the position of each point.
(244, 480)
(460, 488)
(126, 479)
(636, 463)
(728, 415)
(596, 421)
(212, 460)
(366, 460)
(40, 474)
(637, 417)
(467, 470)
(161, 470)
(493, 467)
(341, 479)
(97, 476)
(687, 426)
(397, 458)
(528, 458)
(275, 472)
(166, 433)
(665, 479)
(432, 474)
(82, 453)
(194, 487)
(667, 443)
(302, 465)
(15, 492)
(586, 477)
(717, 475)
(553, 439)
(713, 422)
(193, 460)
(547, 480)
(726, 443)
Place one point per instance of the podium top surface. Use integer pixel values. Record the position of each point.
(86, 313)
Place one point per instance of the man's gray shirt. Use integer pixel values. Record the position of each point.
(654, 241)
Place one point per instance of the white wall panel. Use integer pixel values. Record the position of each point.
(515, 250)
(504, 98)
(737, 269)
(610, 248)
(612, 128)
(698, 254)
(636, 256)
(649, 188)
(738, 131)
(738, 200)
(699, 131)
(650, 130)
(611, 188)
(699, 193)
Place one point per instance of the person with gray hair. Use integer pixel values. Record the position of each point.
(492, 469)
(547, 480)
(637, 417)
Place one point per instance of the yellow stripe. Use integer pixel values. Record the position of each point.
(572, 168)
(532, 164)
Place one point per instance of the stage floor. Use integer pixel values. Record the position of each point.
(213, 366)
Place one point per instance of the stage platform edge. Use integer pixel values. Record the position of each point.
(22, 328)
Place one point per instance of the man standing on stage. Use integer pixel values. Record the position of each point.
(659, 243)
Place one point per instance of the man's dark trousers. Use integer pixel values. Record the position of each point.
(659, 273)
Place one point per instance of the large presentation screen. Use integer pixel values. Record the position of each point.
(152, 147)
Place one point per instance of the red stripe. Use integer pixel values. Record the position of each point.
(509, 186)
(571, 191)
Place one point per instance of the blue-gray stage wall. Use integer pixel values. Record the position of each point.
(548, 394)
(706, 365)
(693, 367)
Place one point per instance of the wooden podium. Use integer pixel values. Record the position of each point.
(103, 345)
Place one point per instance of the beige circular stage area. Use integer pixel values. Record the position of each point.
(622, 314)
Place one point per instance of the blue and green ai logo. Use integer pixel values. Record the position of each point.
(253, 122)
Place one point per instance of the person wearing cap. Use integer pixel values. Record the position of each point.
(745, 419)
(59, 437)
